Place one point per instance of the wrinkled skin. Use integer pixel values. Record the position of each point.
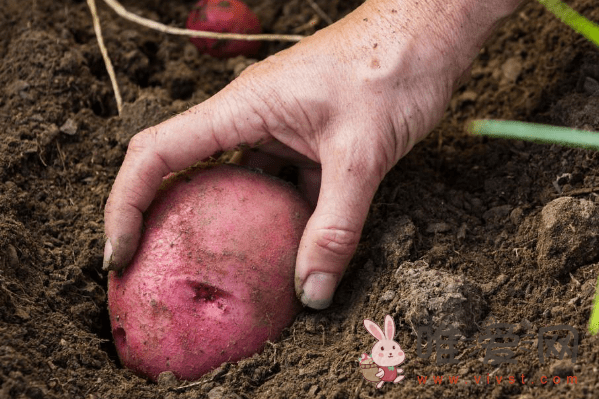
(344, 105)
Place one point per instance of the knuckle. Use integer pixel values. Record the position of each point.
(145, 144)
(369, 167)
(109, 206)
(142, 140)
(281, 112)
(241, 111)
(374, 168)
(339, 242)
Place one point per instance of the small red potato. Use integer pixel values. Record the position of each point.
(225, 16)
(213, 277)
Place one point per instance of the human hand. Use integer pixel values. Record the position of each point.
(353, 98)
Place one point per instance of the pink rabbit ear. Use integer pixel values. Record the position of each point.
(374, 329)
(389, 327)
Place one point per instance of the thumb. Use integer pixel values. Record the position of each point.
(333, 232)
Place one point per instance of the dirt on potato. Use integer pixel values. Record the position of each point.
(475, 234)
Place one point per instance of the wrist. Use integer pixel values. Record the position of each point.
(412, 54)
(452, 29)
(467, 24)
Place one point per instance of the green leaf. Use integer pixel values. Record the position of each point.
(569, 16)
(536, 132)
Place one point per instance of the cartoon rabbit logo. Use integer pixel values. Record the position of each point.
(381, 366)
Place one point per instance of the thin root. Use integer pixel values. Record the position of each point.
(97, 28)
(148, 23)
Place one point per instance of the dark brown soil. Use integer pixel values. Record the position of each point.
(459, 232)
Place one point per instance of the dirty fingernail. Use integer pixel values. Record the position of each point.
(318, 290)
(107, 255)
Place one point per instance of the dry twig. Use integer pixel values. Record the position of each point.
(97, 28)
(320, 12)
(148, 23)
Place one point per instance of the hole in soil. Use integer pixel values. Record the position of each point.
(96, 66)
(141, 78)
(150, 49)
(104, 105)
(81, 36)
(97, 108)
(181, 89)
(105, 333)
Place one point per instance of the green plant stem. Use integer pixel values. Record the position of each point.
(536, 132)
(573, 19)
(594, 320)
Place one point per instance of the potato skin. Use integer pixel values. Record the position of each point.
(229, 16)
(212, 279)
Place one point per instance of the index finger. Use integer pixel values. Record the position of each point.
(154, 153)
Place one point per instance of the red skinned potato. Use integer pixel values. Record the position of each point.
(225, 16)
(213, 277)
